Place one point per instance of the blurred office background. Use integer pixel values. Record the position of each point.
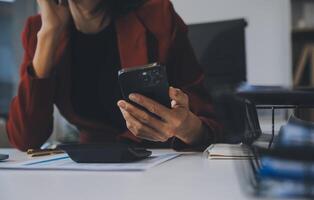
(276, 34)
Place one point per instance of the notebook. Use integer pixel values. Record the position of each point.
(228, 151)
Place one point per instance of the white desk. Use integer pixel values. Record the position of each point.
(189, 177)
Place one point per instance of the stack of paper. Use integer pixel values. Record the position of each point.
(63, 162)
(228, 151)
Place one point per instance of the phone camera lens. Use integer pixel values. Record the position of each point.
(146, 79)
(156, 82)
(156, 72)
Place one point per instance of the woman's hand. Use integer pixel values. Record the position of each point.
(178, 121)
(55, 15)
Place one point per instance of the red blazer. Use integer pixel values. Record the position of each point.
(30, 120)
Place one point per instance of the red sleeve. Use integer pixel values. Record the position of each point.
(186, 73)
(30, 120)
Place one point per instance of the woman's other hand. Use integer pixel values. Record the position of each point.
(55, 15)
(178, 121)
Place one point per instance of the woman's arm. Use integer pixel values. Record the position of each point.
(55, 18)
(30, 120)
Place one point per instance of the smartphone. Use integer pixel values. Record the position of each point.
(149, 80)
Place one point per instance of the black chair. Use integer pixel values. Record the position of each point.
(220, 49)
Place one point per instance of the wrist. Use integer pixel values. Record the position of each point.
(48, 34)
(195, 131)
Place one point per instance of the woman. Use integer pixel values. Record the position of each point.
(73, 51)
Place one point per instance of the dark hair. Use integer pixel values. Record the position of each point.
(119, 7)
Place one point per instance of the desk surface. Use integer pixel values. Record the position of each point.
(189, 176)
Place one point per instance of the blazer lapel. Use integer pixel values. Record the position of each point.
(132, 41)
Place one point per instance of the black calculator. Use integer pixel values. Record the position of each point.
(3, 157)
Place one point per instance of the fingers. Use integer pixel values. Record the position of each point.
(49, 8)
(174, 104)
(178, 97)
(49, 5)
(152, 106)
(46, 5)
(140, 130)
(63, 2)
(142, 116)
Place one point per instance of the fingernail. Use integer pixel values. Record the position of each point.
(176, 92)
(173, 103)
(121, 104)
(133, 97)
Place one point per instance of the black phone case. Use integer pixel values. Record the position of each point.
(104, 153)
(149, 80)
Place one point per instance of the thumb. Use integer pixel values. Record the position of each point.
(178, 97)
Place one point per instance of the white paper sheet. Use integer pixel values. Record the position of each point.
(228, 151)
(63, 162)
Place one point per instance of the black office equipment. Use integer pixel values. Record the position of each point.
(295, 141)
(104, 153)
(276, 97)
(285, 170)
(3, 157)
(220, 49)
